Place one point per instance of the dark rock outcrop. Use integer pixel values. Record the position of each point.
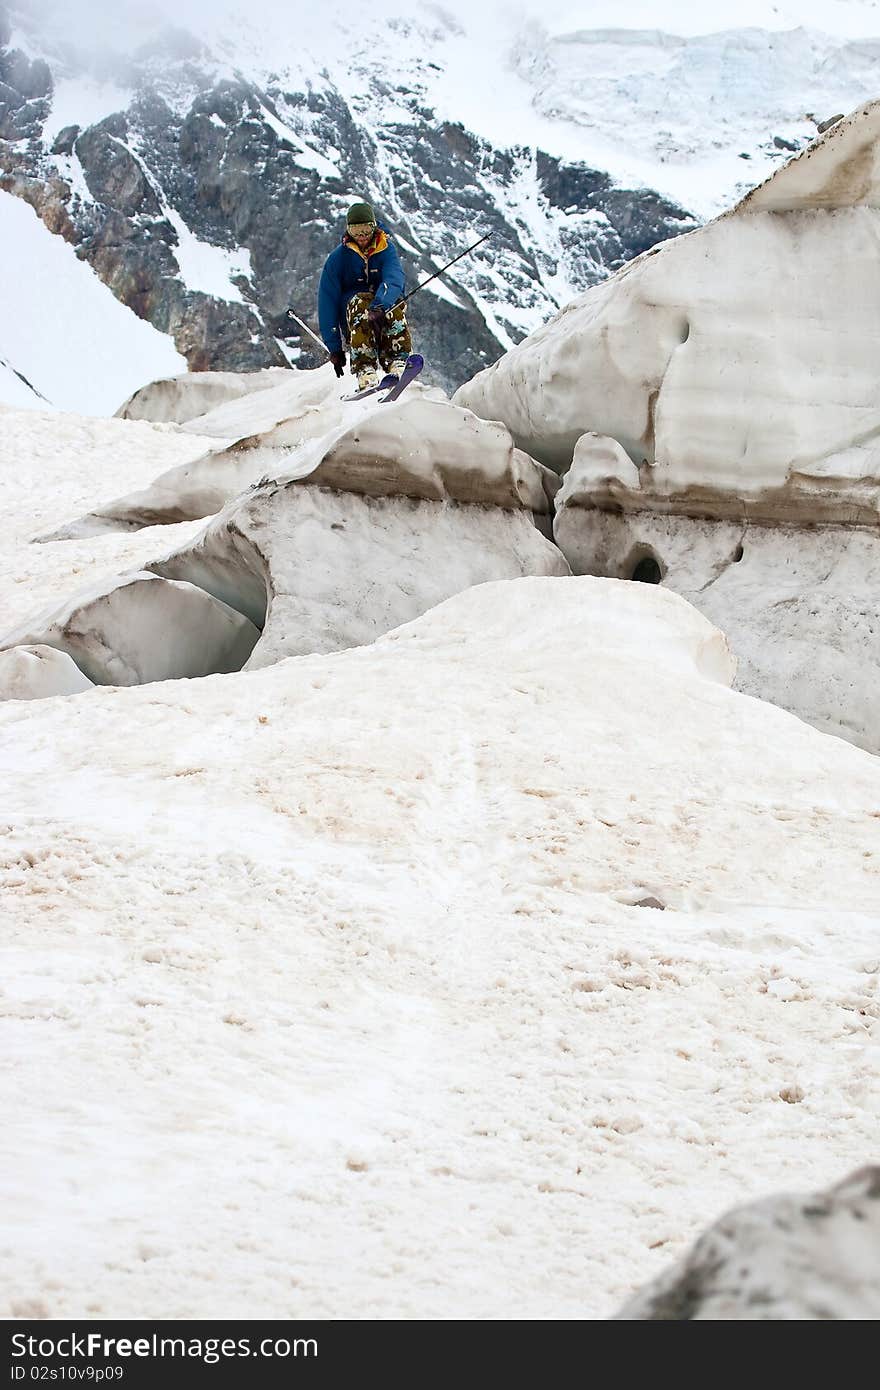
(781, 1259)
(25, 91)
(65, 140)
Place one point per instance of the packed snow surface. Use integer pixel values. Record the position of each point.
(55, 466)
(179, 398)
(62, 328)
(343, 988)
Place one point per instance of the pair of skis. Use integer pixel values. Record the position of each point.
(391, 384)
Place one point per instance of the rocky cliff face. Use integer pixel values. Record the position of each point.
(208, 203)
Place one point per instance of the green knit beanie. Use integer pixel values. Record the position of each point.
(359, 212)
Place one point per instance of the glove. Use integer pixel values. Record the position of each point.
(376, 317)
(338, 360)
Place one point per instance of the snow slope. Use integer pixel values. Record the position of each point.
(330, 990)
(63, 329)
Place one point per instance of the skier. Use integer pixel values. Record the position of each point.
(361, 284)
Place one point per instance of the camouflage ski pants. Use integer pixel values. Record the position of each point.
(394, 341)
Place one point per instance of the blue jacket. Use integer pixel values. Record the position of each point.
(348, 271)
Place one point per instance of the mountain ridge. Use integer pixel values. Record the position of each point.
(209, 194)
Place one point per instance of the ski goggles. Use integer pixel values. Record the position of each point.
(357, 229)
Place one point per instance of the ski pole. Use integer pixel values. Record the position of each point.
(292, 315)
(445, 267)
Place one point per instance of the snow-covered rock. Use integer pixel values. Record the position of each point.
(421, 447)
(141, 628)
(182, 398)
(35, 672)
(781, 1259)
(321, 569)
(437, 451)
